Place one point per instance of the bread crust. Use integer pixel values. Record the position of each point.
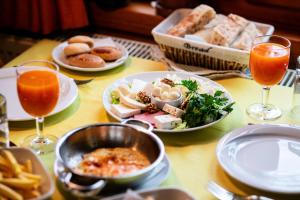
(86, 61)
(76, 49)
(198, 18)
(82, 39)
(107, 53)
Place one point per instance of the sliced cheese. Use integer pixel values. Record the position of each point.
(166, 121)
(177, 112)
(123, 111)
(131, 102)
(137, 86)
(124, 89)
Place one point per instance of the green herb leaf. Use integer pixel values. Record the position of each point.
(191, 85)
(205, 108)
(115, 99)
(181, 126)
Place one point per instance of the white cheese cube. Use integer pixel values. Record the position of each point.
(137, 85)
(166, 121)
(123, 111)
(172, 110)
(124, 89)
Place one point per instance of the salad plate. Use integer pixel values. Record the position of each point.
(264, 156)
(171, 101)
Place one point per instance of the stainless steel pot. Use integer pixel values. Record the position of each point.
(131, 133)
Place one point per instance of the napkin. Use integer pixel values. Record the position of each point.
(158, 55)
(100, 42)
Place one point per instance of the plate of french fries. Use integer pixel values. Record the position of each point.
(23, 176)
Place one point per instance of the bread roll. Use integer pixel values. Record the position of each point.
(224, 34)
(205, 33)
(107, 53)
(76, 48)
(82, 39)
(199, 17)
(244, 41)
(86, 61)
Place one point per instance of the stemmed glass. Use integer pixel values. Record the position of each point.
(269, 59)
(38, 90)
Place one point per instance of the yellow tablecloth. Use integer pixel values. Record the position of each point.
(192, 155)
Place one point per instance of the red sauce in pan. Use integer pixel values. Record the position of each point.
(110, 162)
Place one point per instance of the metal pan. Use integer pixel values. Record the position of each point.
(131, 133)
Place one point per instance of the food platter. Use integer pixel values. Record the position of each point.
(160, 174)
(263, 156)
(59, 57)
(15, 112)
(150, 77)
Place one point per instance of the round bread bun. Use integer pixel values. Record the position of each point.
(82, 39)
(86, 61)
(76, 48)
(107, 53)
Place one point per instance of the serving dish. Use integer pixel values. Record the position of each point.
(263, 156)
(150, 77)
(15, 112)
(59, 57)
(24, 154)
(197, 53)
(157, 194)
(154, 179)
(76, 143)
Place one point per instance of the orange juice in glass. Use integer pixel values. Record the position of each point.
(269, 59)
(38, 92)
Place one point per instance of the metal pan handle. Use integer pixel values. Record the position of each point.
(83, 190)
(138, 123)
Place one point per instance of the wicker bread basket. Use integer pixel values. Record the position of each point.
(196, 53)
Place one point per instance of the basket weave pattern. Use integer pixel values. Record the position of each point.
(186, 57)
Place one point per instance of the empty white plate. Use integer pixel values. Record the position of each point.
(266, 157)
(15, 112)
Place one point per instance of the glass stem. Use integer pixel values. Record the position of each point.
(40, 127)
(265, 96)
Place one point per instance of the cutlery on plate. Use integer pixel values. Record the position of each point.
(223, 194)
(81, 82)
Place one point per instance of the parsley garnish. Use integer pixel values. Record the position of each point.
(115, 99)
(203, 108)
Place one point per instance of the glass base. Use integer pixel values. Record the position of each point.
(40, 145)
(260, 112)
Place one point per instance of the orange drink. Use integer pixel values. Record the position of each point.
(268, 63)
(269, 60)
(38, 92)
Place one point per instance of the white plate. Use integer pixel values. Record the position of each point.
(151, 76)
(59, 57)
(15, 112)
(266, 157)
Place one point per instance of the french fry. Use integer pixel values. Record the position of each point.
(25, 184)
(35, 177)
(17, 181)
(9, 193)
(28, 165)
(12, 161)
(29, 194)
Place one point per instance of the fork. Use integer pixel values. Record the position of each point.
(81, 82)
(223, 194)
